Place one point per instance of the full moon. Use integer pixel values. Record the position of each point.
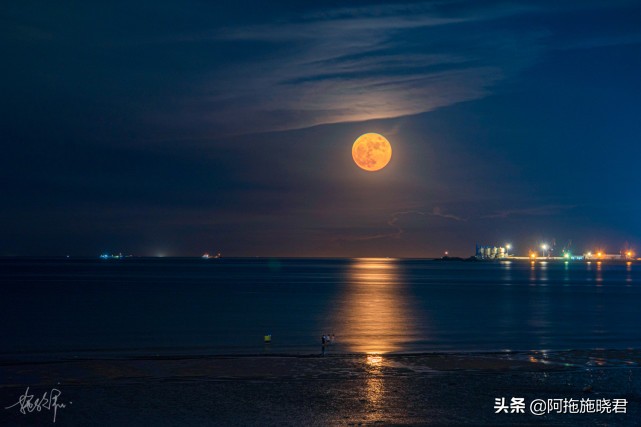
(371, 152)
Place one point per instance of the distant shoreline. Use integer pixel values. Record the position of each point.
(243, 258)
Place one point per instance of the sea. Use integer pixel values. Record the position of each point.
(73, 307)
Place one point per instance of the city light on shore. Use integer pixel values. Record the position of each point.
(546, 251)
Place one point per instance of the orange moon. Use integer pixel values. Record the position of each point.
(371, 152)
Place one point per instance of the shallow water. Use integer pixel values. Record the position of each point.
(225, 306)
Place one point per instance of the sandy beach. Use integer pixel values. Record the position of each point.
(403, 389)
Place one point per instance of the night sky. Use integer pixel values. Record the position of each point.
(184, 127)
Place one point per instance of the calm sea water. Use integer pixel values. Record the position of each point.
(226, 306)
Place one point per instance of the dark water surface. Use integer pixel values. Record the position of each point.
(197, 306)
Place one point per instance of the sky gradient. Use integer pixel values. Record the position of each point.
(177, 128)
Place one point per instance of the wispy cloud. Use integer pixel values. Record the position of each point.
(397, 230)
(356, 64)
(548, 210)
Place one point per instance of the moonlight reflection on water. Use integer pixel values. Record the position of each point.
(376, 313)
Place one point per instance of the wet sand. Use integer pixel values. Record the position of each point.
(410, 389)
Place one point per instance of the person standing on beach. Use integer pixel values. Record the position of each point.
(323, 342)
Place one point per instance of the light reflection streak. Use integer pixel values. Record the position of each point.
(544, 272)
(532, 273)
(376, 315)
(375, 384)
(628, 272)
(507, 266)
